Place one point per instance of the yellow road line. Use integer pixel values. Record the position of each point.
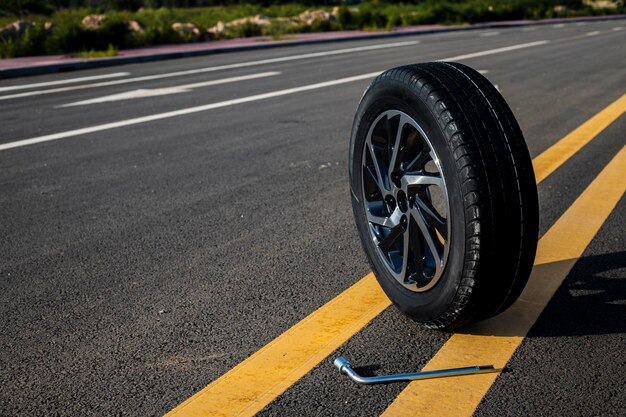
(546, 163)
(495, 340)
(255, 382)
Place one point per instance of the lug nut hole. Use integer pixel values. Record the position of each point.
(402, 201)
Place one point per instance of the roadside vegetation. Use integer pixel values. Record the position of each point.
(40, 27)
(110, 51)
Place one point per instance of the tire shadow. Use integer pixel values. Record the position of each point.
(590, 301)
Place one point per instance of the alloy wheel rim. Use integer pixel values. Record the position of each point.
(406, 201)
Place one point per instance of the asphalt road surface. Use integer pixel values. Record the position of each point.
(162, 222)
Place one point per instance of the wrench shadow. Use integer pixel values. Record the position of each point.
(590, 301)
(367, 370)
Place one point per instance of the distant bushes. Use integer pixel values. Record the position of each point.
(62, 32)
(67, 35)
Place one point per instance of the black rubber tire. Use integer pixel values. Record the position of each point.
(493, 210)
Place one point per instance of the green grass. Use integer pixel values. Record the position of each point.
(110, 51)
(68, 36)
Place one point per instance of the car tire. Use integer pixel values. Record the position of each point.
(443, 193)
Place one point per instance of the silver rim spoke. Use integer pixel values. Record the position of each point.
(408, 227)
(405, 255)
(419, 161)
(432, 218)
(427, 234)
(413, 180)
(379, 220)
(379, 175)
(397, 143)
(377, 179)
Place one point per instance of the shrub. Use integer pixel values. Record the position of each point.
(321, 26)
(246, 30)
(32, 42)
(345, 18)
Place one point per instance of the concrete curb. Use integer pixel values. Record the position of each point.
(78, 64)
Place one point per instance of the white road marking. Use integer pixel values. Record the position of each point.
(67, 81)
(558, 25)
(181, 112)
(142, 93)
(581, 23)
(618, 28)
(485, 34)
(594, 33)
(529, 29)
(495, 51)
(227, 103)
(217, 68)
(128, 95)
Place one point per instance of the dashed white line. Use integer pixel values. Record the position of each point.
(227, 103)
(594, 33)
(142, 93)
(529, 29)
(485, 34)
(217, 68)
(558, 25)
(66, 81)
(495, 51)
(618, 28)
